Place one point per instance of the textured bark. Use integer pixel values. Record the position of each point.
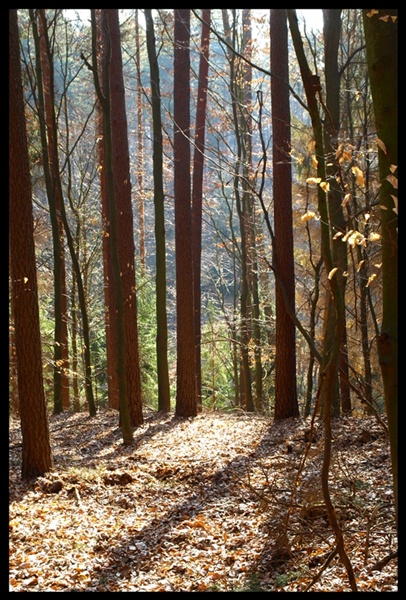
(122, 183)
(104, 99)
(110, 314)
(164, 399)
(381, 39)
(36, 450)
(186, 394)
(286, 404)
(197, 190)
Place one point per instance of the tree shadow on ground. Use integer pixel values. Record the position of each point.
(206, 490)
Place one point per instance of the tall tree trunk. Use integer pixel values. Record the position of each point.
(197, 190)
(56, 239)
(140, 148)
(332, 29)
(286, 404)
(36, 448)
(122, 182)
(164, 398)
(104, 99)
(47, 74)
(381, 37)
(186, 395)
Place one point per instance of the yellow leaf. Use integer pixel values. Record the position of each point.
(372, 12)
(356, 238)
(374, 237)
(393, 180)
(332, 272)
(308, 215)
(393, 168)
(346, 199)
(395, 201)
(384, 18)
(25, 279)
(381, 145)
(370, 279)
(358, 175)
(325, 186)
(313, 180)
(367, 216)
(347, 235)
(361, 262)
(315, 162)
(338, 234)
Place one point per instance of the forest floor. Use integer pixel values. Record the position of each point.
(220, 503)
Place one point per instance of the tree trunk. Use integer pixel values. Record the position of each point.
(286, 404)
(186, 396)
(122, 183)
(36, 448)
(104, 99)
(164, 399)
(140, 148)
(197, 191)
(381, 39)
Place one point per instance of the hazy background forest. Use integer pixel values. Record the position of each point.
(356, 151)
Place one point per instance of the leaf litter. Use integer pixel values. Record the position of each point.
(222, 502)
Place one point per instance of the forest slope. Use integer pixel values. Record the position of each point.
(200, 505)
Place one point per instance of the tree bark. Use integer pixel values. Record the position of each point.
(36, 448)
(286, 404)
(381, 37)
(197, 190)
(186, 393)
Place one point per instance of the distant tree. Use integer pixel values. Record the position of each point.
(286, 404)
(381, 37)
(186, 393)
(197, 189)
(36, 448)
(164, 399)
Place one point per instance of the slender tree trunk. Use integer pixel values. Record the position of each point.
(286, 404)
(47, 74)
(197, 191)
(332, 30)
(186, 396)
(140, 148)
(164, 399)
(56, 239)
(36, 448)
